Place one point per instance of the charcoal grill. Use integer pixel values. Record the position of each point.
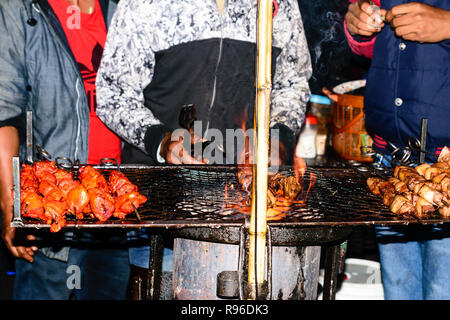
(194, 196)
(189, 202)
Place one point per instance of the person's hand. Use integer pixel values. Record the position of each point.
(8, 236)
(419, 22)
(363, 20)
(173, 151)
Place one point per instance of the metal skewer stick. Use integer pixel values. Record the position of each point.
(423, 139)
(258, 219)
(136, 212)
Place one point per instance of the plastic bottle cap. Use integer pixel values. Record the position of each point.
(311, 119)
(315, 98)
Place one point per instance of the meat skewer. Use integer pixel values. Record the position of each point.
(404, 203)
(127, 197)
(49, 193)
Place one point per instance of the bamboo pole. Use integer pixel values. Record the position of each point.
(258, 220)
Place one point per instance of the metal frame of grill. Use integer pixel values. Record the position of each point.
(188, 202)
(194, 196)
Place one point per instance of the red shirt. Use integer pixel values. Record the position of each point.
(86, 34)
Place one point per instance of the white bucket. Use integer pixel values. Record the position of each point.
(362, 281)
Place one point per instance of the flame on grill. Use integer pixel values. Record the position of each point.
(279, 201)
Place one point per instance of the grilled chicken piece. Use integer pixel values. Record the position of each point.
(402, 206)
(441, 165)
(423, 207)
(101, 203)
(120, 184)
(127, 203)
(373, 183)
(429, 193)
(399, 186)
(61, 174)
(445, 211)
(27, 178)
(92, 178)
(287, 187)
(444, 156)
(43, 169)
(77, 201)
(32, 205)
(66, 185)
(50, 191)
(421, 169)
(55, 214)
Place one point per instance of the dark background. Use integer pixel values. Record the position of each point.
(331, 58)
(333, 63)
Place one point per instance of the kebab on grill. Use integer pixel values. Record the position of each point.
(49, 193)
(419, 191)
(279, 186)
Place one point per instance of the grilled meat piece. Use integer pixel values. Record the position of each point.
(101, 203)
(77, 201)
(287, 187)
(127, 203)
(402, 206)
(50, 191)
(32, 205)
(120, 184)
(92, 178)
(55, 213)
(44, 170)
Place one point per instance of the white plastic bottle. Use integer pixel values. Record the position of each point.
(306, 146)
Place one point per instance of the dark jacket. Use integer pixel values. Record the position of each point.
(408, 81)
(38, 72)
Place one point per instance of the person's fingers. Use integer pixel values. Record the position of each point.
(404, 8)
(179, 155)
(403, 20)
(354, 30)
(187, 159)
(365, 7)
(404, 31)
(30, 237)
(364, 25)
(22, 253)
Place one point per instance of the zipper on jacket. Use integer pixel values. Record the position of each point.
(77, 108)
(77, 71)
(219, 58)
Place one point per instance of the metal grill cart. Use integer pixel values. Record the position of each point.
(193, 203)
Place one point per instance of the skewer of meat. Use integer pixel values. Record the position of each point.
(101, 202)
(128, 199)
(421, 186)
(399, 199)
(438, 174)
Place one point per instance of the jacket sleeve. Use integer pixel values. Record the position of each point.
(13, 95)
(126, 69)
(290, 92)
(362, 46)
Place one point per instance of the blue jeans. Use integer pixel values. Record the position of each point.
(89, 274)
(415, 261)
(139, 254)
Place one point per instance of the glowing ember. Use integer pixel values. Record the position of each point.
(283, 193)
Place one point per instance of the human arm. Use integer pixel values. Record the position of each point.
(290, 90)
(12, 101)
(361, 24)
(419, 22)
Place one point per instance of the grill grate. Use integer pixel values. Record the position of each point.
(181, 196)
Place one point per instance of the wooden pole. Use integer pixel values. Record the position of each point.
(258, 220)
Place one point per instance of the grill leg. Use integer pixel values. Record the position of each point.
(332, 262)
(155, 264)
